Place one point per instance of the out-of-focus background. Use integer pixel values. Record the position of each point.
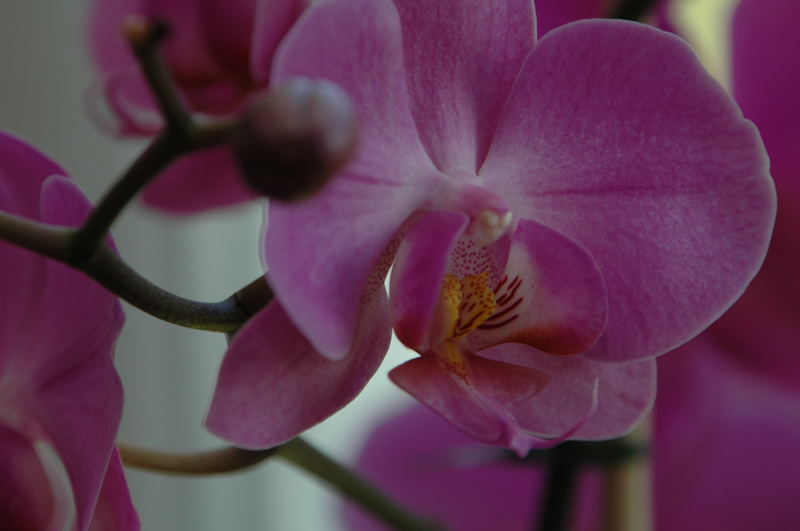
(169, 372)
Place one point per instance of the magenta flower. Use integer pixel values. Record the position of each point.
(219, 53)
(60, 396)
(552, 210)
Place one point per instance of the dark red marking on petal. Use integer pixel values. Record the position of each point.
(498, 315)
(500, 324)
(461, 329)
(510, 292)
(500, 285)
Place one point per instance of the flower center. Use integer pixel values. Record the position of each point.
(468, 303)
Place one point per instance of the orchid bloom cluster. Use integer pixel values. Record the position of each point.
(556, 203)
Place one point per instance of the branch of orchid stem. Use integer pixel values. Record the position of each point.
(628, 490)
(212, 462)
(109, 270)
(632, 9)
(164, 149)
(145, 37)
(297, 451)
(182, 134)
(555, 506)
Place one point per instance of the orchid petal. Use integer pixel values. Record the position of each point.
(22, 172)
(427, 474)
(208, 59)
(324, 253)
(552, 14)
(735, 433)
(73, 360)
(116, 105)
(229, 28)
(451, 48)
(553, 298)
(761, 328)
(438, 471)
(198, 182)
(27, 500)
(273, 20)
(625, 394)
(273, 384)
(481, 405)
(767, 89)
(107, 43)
(188, 51)
(419, 268)
(653, 170)
(114, 509)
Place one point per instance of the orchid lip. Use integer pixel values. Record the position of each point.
(468, 304)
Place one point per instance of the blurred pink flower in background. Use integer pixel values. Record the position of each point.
(557, 215)
(60, 396)
(763, 328)
(219, 54)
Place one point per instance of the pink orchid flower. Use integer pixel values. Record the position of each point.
(726, 437)
(219, 53)
(558, 213)
(724, 456)
(60, 396)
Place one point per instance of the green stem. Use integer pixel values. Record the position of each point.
(299, 452)
(632, 9)
(211, 462)
(557, 500)
(349, 484)
(145, 37)
(183, 133)
(109, 270)
(47, 240)
(163, 150)
(116, 276)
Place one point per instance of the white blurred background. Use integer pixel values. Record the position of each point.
(169, 372)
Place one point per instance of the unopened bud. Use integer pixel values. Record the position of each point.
(289, 142)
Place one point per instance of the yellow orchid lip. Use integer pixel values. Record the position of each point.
(468, 303)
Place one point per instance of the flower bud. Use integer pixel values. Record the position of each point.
(291, 140)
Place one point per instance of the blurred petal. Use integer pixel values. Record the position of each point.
(273, 384)
(418, 271)
(75, 360)
(659, 177)
(765, 88)
(762, 328)
(553, 13)
(198, 182)
(451, 48)
(321, 253)
(114, 509)
(442, 473)
(22, 172)
(553, 298)
(27, 500)
(229, 29)
(734, 434)
(273, 20)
